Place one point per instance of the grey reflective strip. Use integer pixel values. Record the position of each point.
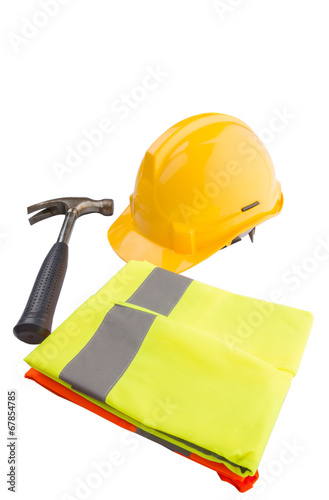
(160, 291)
(163, 442)
(207, 452)
(99, 365)
(185, 452)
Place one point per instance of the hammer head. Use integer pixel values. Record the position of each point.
(81, 206)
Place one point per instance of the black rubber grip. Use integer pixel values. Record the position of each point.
(35, 323)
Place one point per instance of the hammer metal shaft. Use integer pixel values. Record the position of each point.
(67, 227)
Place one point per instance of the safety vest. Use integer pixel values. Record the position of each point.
(242, 484)
(198, 369)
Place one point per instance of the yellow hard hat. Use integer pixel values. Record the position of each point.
(201, 186)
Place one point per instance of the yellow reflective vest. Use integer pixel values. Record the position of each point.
(201, 369)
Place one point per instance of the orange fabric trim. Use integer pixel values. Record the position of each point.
(241, 483)
(64, 392)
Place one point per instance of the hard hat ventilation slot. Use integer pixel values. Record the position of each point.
(248, 207)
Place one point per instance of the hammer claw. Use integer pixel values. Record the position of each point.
(60, 207)
(44, 214)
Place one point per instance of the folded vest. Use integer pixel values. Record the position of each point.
(242, 484)
(202, 370)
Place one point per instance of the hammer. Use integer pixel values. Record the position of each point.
(35, 324)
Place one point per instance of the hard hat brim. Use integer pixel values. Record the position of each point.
(130, 244)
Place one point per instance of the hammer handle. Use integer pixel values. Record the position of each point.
(35, 324)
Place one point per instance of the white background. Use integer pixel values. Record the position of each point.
(252, 60)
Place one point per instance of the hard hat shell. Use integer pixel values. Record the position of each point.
(200, 185)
